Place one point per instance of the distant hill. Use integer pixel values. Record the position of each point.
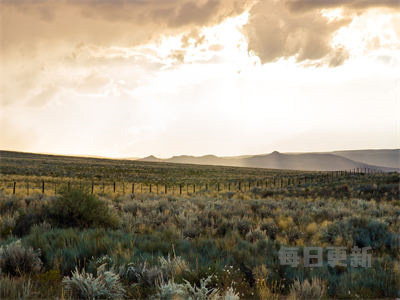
(305, 161)
(385, 158)
(151, 158)
(339, 160)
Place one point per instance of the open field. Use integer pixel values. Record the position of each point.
(162, 245)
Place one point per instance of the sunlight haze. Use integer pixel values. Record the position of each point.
(199, 77)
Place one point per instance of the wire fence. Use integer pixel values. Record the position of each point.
(54, 185)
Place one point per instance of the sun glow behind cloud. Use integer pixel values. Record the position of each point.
(204, 91)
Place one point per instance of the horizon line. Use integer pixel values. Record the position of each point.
(197, 156)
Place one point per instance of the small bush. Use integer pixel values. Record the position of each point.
(201, 292)
(270, 228)
(79, 208)
(84, 285)
(230, 294)
(171, 290)
(141, 274)
(306, 290)
(16, 259)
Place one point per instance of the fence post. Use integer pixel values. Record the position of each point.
(218, 187)
(27, 188)
(92, 187)
(42, 186)
(165, 189)
(229, 186)
(194, 188)
(150, 187)
(14, 187)
(123, 188)
(180, 189)
(240, 186)
(114, 186)
(133, 188)
(55, 188)
(206, 186)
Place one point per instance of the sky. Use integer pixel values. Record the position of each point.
(132, 78)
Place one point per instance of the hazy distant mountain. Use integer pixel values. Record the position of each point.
(385, 158)
(296, 161)
(305, 161)
(151, 158)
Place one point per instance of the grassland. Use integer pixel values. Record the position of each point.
(203, 244)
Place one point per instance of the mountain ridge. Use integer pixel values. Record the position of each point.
(309, 161)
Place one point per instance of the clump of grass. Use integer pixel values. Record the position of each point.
(15, 287)
(7, 224)
(306, 290)
(173, 266)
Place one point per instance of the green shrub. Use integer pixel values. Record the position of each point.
(25, 222)
(48, 284)
(66, 248)
(16, 259)
(79, 208)
(381, 281)
(362, 231)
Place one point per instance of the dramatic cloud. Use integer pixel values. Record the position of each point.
(42, 39)
(302, 29)
(117, 22)
(301, 5)
(274, 31)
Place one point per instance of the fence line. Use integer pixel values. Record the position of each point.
(275, 182)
